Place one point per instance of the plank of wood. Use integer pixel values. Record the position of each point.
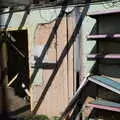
(106, 105)
(103, 56)
(73, 100)
(4, 59)
(104, 36)
(13, 79)
(62, 74)
(106, 83)
(70, 58)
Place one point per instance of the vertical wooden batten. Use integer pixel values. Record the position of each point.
(61, 89)
(4, 77)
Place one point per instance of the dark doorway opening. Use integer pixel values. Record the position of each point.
(18, 67)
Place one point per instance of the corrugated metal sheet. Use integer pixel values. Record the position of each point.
(106, 103)
(106, 82)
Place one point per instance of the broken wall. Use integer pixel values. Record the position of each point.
(58, 65)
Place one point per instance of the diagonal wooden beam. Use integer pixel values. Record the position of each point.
(74, 99)
(15, 48)
(13, 79)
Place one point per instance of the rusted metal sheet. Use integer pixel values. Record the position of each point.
(58, 83)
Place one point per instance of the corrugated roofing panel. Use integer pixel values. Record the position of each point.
(106, 82)
(106, 105)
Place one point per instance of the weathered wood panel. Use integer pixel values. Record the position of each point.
(71, 72)
(61, 89)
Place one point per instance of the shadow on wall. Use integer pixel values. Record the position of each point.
(63, 54)
(51, 37)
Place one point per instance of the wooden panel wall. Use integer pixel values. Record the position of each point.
(61, 89)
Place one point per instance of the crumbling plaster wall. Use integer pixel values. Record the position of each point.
(47, 15)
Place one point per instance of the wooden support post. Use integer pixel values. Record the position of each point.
(13, 79)
(4, 63)
(4, 79)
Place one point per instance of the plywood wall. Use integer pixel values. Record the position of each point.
(59, 81)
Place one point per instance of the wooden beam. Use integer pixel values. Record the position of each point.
(16, 49)
(103, 56)
(25, 89)
(11, 37)
(9, 3)
(104, 36)
(13, 79)
(105, 105)
(23, 85)
(74, 99)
